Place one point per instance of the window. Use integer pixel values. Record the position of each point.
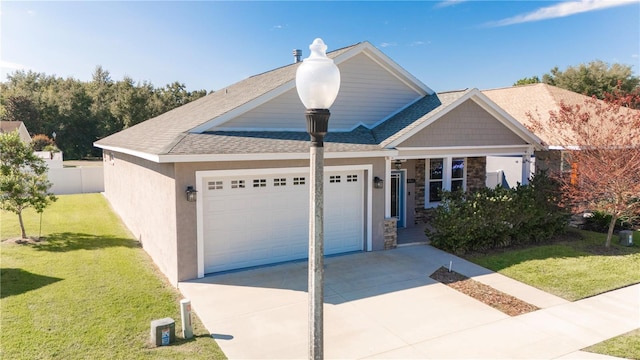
(259, 183)
(215, 185)
(436, 175)
(334, 178)
(237, 184)
(444, 174)
(298, 181)
(280, 182)
(352, 178)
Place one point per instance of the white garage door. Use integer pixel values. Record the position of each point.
(264, 219)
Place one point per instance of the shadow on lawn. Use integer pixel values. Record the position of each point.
(18, 281)
(67, 241)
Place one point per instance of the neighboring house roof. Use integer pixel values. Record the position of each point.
(379, 104)
(11, 126)
(537, 100)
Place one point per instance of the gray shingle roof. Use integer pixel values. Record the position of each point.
(158, 135)
(253, 142)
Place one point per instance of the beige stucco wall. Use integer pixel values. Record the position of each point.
(143, 194)
(466, 125)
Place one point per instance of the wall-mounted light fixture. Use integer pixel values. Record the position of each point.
(191, 194)
(378, 183)
(398, 164)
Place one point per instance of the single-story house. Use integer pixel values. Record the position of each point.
(11, 126)
(392, 144)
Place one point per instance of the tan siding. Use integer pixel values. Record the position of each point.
(466, 125)
(368, 94)
(143, 194)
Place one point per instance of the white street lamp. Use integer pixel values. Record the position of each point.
(318, 83)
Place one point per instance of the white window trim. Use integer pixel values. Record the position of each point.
(447, 163)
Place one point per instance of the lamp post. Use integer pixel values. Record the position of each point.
(318, 83)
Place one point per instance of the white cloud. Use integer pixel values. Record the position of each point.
(386, 44)
(562, 9)
(11, 65)
(447, 3)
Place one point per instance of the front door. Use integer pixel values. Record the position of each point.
(398, 197)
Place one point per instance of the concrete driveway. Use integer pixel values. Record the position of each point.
(377, 305)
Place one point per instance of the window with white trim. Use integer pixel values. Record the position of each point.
(237, 184)
(444, 174)
(334, 179)
(259, 183)
(298, 181)
(214, 185)
(279, 182)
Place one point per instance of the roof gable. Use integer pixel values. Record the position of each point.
(449, 102)
(468, 124)
(372, 89)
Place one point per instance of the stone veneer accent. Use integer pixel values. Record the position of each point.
(549, 161)
(390, 233)
(476, 173)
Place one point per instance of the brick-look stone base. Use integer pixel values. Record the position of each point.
(390, 233)
(476, 173)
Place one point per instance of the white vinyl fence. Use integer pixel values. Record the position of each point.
(78, 180)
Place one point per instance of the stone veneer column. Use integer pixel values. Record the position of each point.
(390, 233)
(476, 173)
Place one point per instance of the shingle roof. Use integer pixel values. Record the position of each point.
(160, 134)
(253, 142)
(536, 99)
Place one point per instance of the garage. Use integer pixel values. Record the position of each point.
(263, 218)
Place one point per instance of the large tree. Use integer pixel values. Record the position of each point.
(601, 143)
(23, 178)
(596, 78)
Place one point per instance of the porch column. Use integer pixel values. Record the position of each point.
(387, 187)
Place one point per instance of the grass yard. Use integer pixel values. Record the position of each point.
(574, 268)
(625, 346)
(87, 291)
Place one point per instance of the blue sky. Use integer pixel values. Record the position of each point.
(448, 45)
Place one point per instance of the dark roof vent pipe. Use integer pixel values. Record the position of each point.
(297, 55)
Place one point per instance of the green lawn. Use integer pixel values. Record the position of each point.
(87, 291)
(575, 268)
(625, 346)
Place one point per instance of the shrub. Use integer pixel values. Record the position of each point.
(600, 221)
(40, 141)
(499, 217)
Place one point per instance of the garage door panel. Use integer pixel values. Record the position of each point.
(262, 219)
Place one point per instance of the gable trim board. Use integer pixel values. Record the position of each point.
(462, 151)
(204, 244)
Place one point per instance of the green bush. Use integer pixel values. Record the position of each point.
(499, 217)
(599, 222)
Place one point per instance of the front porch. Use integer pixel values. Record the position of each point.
(412, 235)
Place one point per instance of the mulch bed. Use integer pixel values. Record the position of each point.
(506, 303)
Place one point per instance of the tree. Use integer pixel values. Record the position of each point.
(527, 81)
(601, 141)
(596, 78)
(23, 178)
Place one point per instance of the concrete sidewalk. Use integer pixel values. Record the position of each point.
(383, 305)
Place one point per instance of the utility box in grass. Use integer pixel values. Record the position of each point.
(163, 332)
(626, 237)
